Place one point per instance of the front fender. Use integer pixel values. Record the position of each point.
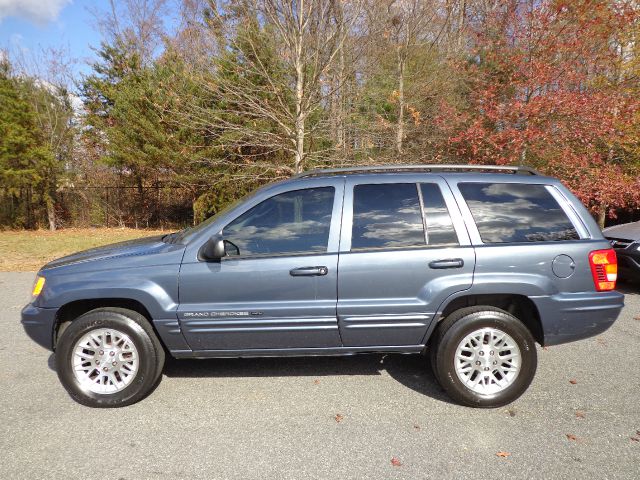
(155, 287)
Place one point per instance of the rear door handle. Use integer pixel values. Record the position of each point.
(309, 271)
(447, 263)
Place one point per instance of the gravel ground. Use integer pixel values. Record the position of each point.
(351, 417)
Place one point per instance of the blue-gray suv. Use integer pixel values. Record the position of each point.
(470, 265)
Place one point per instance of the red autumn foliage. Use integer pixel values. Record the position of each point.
(545, 89)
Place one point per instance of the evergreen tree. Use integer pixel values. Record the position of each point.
(28, 167)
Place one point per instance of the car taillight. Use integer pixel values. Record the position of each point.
(604, 268)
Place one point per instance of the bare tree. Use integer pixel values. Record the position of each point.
(413, 27)
(140, 23)
(193, 41)
(282, 73)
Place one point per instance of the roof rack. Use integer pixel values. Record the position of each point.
(420, 168)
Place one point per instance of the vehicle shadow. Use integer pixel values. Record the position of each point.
(412, 371)
(628, 288)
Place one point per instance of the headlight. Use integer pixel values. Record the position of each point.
(38, 286)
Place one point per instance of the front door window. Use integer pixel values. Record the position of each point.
(289, 223)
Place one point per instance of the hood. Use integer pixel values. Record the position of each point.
(628, 231)
(140, 246)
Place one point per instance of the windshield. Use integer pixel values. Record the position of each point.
(183, 236)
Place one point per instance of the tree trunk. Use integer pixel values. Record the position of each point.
(340, 140)
(300, 118)
(140, 188)
(337, 106)
(461, 21)
(51, 214)
(523, 156)
(400, 123)
(299, 122)
(337, 86)
(602, 215)
(333, 109)
(30, 222)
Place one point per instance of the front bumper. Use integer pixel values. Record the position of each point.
(39, 323)
(567, 317)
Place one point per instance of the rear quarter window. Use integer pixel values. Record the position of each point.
(516, 212)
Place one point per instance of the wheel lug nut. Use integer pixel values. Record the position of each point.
(97, 362)
(481, 353)
(495, 363)
(478, 363)
(113, 353)
(486, 369)
(105, 369)
(114, 364)
(101, 352)
(491, 352)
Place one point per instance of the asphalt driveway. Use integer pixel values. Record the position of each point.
(369, 416)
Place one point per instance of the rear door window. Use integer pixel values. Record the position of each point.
(516, 212)
(386, 215)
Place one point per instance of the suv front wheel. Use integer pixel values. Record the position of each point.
(483, 356)
(109, 357)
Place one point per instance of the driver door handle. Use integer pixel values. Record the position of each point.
(447, 263)
(309, 271)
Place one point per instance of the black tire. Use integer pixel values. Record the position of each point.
(455, 328)
(150, 352)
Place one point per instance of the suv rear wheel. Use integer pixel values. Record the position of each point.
(483, 356)
(109, 357)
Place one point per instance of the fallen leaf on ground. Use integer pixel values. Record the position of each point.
(417, 427)
(573, 382)
(503, 454)
(545, 348)
(637, 318)
(635, 439)
(395, 462)
(580, 414)
(511, 412)
(571, 436)
(339, 417)
(316, 382)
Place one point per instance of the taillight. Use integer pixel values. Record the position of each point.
(604, 268)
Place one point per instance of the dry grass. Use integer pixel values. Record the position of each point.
(29, 250)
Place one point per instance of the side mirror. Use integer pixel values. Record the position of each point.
(213, 249)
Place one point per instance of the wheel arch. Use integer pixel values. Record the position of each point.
(70, 311)
(520, 306)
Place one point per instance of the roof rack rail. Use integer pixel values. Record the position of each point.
(420, 168)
